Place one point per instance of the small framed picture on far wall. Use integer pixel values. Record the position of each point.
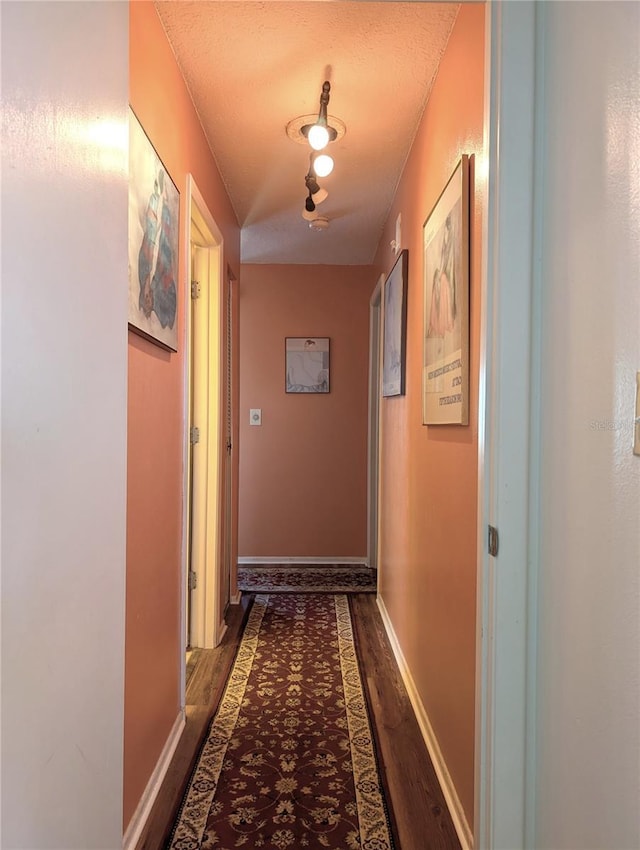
(307, 364)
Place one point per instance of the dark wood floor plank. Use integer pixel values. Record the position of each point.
(421, 817)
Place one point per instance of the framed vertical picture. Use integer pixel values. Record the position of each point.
(394, 341)
(154, 212)
(445, 373)
(307, 364)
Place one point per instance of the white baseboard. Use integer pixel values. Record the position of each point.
(142, 812)
(301, 561)
(464, 831)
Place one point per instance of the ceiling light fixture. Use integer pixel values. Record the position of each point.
(320, 196)
(311, 181)
(320, 134)
(316, 194)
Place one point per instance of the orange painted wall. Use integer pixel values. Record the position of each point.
(303, 472)
(429, 474)
(156, 423)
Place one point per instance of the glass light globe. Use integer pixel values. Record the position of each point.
(323, 165)
(318, 137)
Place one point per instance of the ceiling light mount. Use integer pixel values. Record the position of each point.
(320, 223)
(320, 133)
(294, 127)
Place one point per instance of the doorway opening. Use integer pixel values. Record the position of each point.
(375, 327)
(204, 538)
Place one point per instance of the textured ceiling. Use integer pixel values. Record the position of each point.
(252, 67)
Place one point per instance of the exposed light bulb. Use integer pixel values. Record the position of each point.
(323, 165)
(318, 137)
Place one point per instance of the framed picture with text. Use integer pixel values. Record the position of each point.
(445, 372)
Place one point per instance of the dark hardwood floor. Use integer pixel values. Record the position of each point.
(419, 812)
(208, 669)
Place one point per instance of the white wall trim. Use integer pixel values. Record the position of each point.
(142, 812)
(235, 598)
(508, 405)
(332, 560)
(463, 829)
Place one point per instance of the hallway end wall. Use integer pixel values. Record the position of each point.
(159, 97)
(428, 474)
(303, 472)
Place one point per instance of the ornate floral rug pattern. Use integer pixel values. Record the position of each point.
(289, 760)
(283, 578)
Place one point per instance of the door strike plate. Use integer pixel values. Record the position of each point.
(493, 541)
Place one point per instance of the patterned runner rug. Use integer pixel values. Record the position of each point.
(283, 578)
(289, 759)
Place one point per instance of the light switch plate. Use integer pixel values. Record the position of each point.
(255, 416)
(636, 419)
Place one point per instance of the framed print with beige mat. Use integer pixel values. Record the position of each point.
(445, 372)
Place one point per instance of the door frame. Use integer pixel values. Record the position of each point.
(508, 446)
(373, 442)
(230, 449)
(207, 628)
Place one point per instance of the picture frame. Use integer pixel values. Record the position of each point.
(445, 373)
(394, 340)
(307, 365)
(154, 227)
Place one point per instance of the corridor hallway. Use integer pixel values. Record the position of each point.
(419, 815)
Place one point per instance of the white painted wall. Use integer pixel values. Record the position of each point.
(588, 711)
(64, 362)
